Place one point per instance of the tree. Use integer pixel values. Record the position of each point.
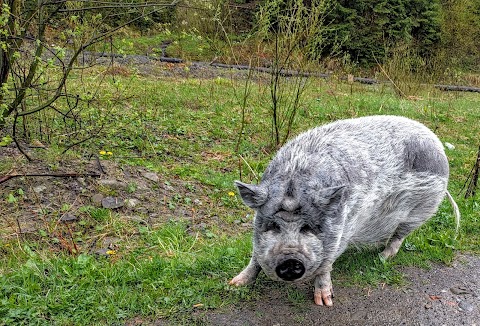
(364, 29)
(33, 71)
(296, 27)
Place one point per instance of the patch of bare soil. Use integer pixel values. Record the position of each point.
(442, 295)
(54, 205)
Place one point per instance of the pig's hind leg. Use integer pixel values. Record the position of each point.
(393, 245)
(416, 218)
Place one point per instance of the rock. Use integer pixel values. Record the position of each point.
(40, 189)
(151, 176)
(101, 252)
(449, 146)
(460, 289)
(197, 202)
(112, 202)
(465, 306)
(68, 218)
(111, 183)
(110, 242)
(97, 199)
(132, 202)
(104, 252)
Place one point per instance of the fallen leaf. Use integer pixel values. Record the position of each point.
(451, 303)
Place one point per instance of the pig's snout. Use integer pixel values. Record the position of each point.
(290, 270)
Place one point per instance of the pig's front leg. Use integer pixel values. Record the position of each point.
(248, 275)
(323, 292)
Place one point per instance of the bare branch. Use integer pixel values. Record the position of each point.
(7, 177)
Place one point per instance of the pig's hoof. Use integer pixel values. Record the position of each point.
(323, 297)
(239, 280)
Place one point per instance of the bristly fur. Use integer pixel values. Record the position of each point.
(352, 182)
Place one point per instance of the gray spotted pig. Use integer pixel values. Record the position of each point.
(362, 181)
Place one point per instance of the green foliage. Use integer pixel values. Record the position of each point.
(142, 15)
(460, 33)
(365, 29)
(6, 140)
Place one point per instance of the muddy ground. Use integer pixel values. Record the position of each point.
(442, 295)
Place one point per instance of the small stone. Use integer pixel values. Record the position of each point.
(151, 176)
(237, 221)
(449, 146)
(428, 305)
(132, 202)
(40, 189)
(68, 218)
(101, 252)
(197, 202)
(460, 289)
(112, 202)
(97, 199)
(465, 306)
(110, 242)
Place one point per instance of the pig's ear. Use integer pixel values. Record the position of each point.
(329, 196)
(253, 196)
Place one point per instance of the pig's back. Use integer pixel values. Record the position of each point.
(364, 150)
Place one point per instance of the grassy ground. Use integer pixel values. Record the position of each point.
(186, 131)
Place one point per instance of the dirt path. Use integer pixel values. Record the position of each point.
(442, 295)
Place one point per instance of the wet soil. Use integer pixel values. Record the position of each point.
(442, 295)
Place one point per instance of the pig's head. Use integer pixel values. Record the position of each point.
(293, 223)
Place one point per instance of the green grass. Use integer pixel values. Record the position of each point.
(184, 45)
(171, 272)
(186, 131)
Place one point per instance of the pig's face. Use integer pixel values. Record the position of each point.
(290, 228)
(288, 247)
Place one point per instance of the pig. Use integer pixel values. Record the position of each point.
(355, 182)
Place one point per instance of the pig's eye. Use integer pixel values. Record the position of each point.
(306, 229)
(272, 226)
